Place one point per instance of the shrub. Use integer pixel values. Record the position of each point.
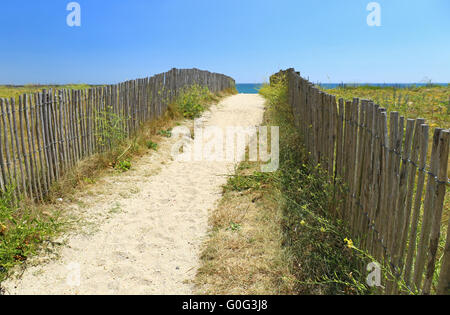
(21, 231)
(322, 262)
(123, 166)
(191, 101)
(110, 128)
(165, 133)
(152, 145)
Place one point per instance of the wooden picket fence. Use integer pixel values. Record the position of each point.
(383, 166)
(44, 135)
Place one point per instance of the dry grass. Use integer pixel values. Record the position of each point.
(429, 102)
(37, 224)
(14, 91)
(244, 253)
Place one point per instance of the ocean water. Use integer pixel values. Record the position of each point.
(248, 88)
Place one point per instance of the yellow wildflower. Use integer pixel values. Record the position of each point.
(303, 222)
(349, 243)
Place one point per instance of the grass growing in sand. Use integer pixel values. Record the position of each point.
(321, 260)
(191, 101)
(271, 233)
(24, 226)
(244, 253)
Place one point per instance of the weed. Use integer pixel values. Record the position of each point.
(165, 133)
(192, 100)
(21, 231)
(88, 180)
(246, 182)
(244, 253)
(117, 208)
(235, 227)
(322, 264)
(110, 128)
(123, 166)
(152, 145)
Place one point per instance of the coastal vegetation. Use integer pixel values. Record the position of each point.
(8, 91)
(431, 102)
(27, 226)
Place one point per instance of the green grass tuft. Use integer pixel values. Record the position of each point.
(192, 100)
(22, 230)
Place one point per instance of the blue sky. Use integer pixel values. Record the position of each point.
(327, 40)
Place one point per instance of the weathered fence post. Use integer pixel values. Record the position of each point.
(383, 171)
(40, 143)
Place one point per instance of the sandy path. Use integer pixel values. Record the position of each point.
(142, 230)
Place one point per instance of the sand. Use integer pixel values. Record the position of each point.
(141, 231)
